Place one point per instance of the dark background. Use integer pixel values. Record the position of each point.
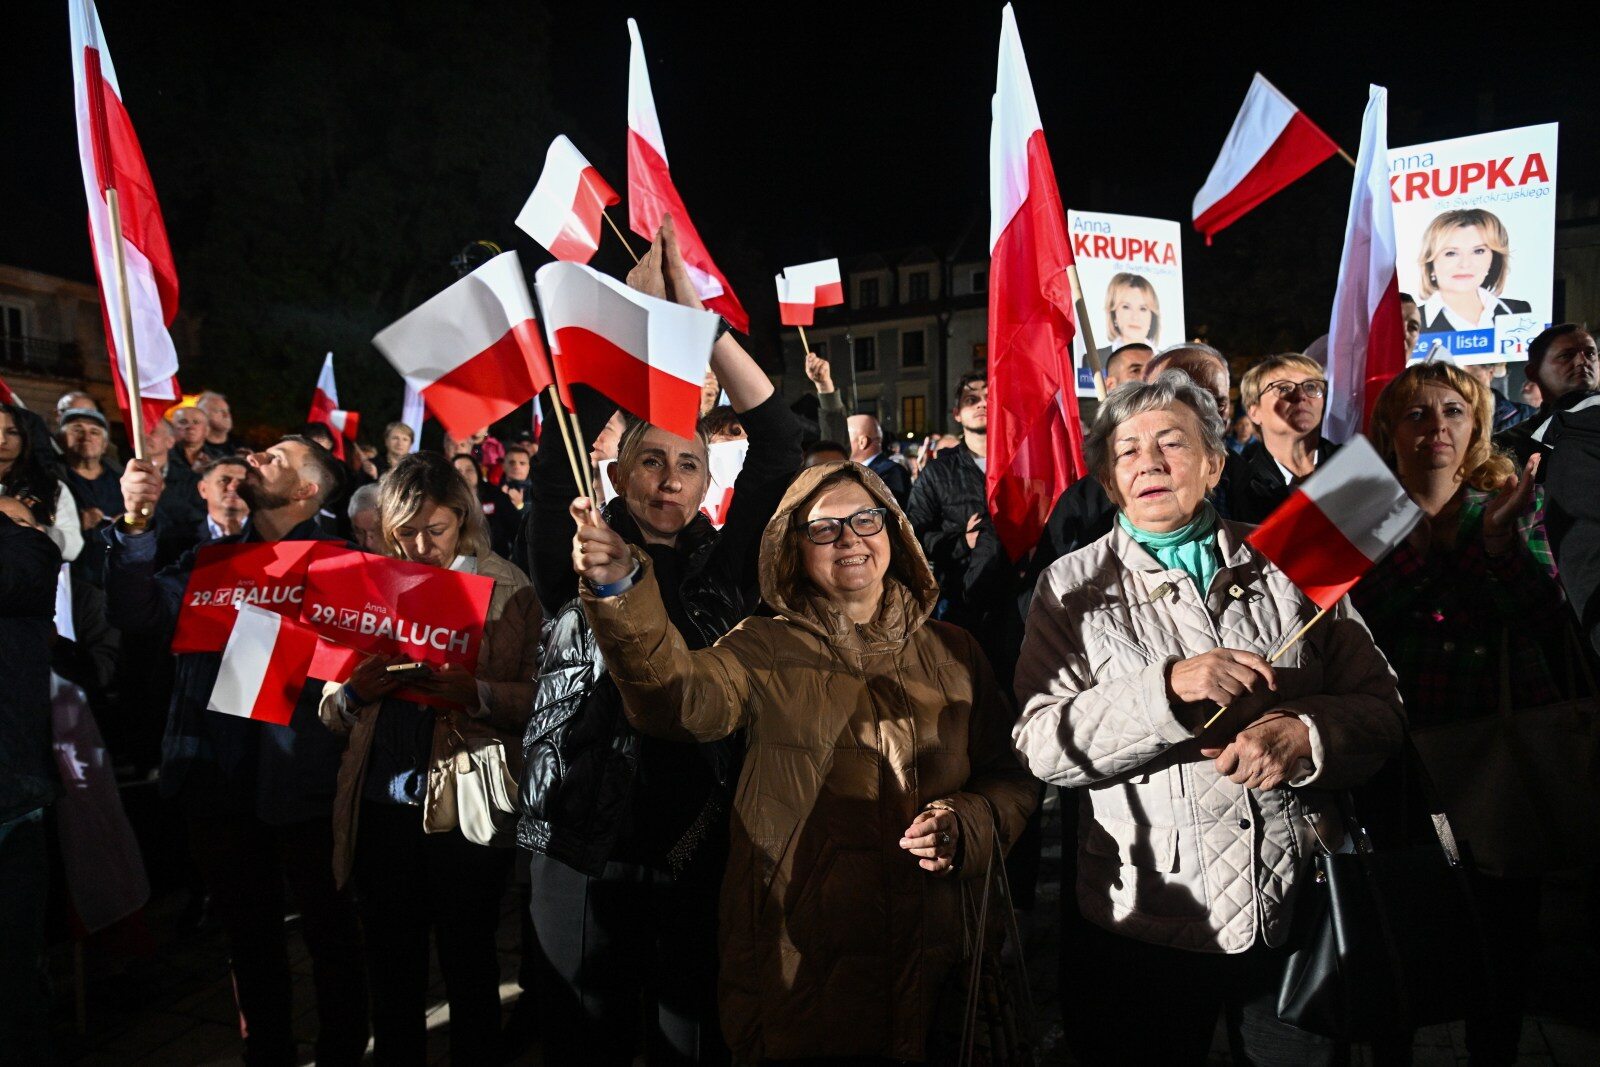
(318, 167)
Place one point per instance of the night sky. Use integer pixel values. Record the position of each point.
(801, 130)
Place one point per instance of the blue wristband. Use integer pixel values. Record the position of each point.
(618, 587)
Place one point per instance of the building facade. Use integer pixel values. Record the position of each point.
(52, 340)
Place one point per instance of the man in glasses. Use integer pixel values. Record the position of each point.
(1285, 396)
(947, 507)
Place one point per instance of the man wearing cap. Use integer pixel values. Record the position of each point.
(94, 483)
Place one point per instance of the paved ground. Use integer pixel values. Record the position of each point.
(176, 1008)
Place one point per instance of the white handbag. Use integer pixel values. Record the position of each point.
(473, 788)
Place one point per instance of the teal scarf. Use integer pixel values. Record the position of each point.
(1191, 549)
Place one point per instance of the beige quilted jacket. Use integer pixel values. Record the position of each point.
(1170, 852)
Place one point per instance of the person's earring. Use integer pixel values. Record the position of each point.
(1433, 279)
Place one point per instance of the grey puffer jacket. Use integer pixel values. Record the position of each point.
(1171, 852)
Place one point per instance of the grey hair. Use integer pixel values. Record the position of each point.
(1183, 348)
(1135, 398)
(364, 499)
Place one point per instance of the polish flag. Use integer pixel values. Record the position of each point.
(473, 351)
(267, 662)
(652, 196)
(648, 355)
(325, 409)
(563, 214)
(1367, 337)
(110, 157)
(1337, 523)
(1271, 145)
(803, 289)
(1035, 441)
(8, 397)
(414, 412)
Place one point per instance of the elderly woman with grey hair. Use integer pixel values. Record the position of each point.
(1192, 840)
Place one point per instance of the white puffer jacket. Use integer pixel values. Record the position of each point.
(1169, 851)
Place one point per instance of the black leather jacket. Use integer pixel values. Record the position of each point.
(581, 758)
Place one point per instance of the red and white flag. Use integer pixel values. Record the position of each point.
(564, 212)
(8, 397)
(110, 156)
(325, 409)
(803, 289)
(1271, 145)
(1367, 337)
(1035, 441)
(652, 196)
(473, 351)
(268, 660)
(648, 355)
(1337, 523)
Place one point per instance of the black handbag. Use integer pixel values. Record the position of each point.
(1387, 940)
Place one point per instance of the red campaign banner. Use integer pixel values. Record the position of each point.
(391, 606)
(270, 575)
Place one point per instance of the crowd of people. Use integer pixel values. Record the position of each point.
(765, 765)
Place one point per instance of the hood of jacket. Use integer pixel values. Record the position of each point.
(910, 591)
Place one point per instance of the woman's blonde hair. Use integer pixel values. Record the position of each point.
(1482, 467)
(425, 478)
(1494, 235)
(632, 440)
(1267, 370)
(1129, 280)
(393, 426)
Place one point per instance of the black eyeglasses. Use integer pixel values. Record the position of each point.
(864, 523)
(1315, 389)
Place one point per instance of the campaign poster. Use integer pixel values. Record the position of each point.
(269, 575)
(1475, 232)
(1131, 270)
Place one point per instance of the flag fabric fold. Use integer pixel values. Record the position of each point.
(1035, 440)
(325, 408)
(268, 660)
(648, 355)
(110, 157)
(1366, 338)
(413, 412)
(1271, 145)
(565, 210)
(472, 351)
(652, 195)
(804, 288)
(1337, 523)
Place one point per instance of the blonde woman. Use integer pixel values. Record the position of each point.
(1133, 313)
(1464, 263)
(397, 438)
(410, 883)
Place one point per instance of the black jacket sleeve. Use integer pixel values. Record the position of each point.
(29, 561)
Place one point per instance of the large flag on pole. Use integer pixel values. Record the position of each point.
(325, 409)
(1367, 338)
(110, 157)
(1271, 145)
(1035, 442)
(565, 209)
(472, 351)
(1339, 522)
(652, 195)
(648, 355)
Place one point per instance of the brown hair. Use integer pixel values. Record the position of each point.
(1255, 378)
(632, 440)
(1482, 467)
(424, 478)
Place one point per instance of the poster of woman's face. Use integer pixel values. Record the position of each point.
(1133, 311)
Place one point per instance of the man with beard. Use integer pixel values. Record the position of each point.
(256, 797)
(947, 506)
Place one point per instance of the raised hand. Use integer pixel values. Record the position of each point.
(820, 371)
(599, 554)
(1501, 513)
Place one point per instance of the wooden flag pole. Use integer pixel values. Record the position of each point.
(1345, 156)
(1298, 634)
(1091, 351)
(618, 232)
(130, 357)
(574, 460)
(804, 344)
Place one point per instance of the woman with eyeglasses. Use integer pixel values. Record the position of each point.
(879, 772)
(1285, 396)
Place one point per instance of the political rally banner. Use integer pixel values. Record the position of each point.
(1475, 226)
(269, 575)
(1131, 270)
(394, 607)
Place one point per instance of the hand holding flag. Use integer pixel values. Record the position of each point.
(599, 554)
